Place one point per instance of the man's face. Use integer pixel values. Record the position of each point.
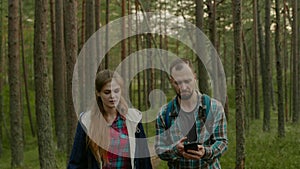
(183, 81)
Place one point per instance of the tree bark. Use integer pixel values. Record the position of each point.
(24, 67)
(45, 138)
(295, 63)
(203, 79)
(255, 64)
(16, 115)
(239, 96)
(268, 99)
(71, 55)
(280, 90)
(59, 68)
(1, 80)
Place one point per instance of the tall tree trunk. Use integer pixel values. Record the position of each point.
(107, 12)
(45, 138)
(295, 84)
(203, 79)
(82, 24)
(16, 115)
(137, 43)
(239, 98)
(297, 54)
(286, 60)
(266, 120)
(59, 68)
(255, 64)
(71, 55)
(97, 14)
(97, 27)
(123, 42)
(1, 80)
(25, 71)
(90, 50)
(280, 90)
(249, 111)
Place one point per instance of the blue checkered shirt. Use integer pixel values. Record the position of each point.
(212, 135)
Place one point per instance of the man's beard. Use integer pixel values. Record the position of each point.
(185, 97)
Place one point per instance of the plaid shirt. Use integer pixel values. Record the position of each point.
(212, 134)
(119, 150)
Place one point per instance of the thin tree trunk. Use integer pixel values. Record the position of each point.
(45, 138)
(59, 68)
(268, 99)
(97, 27)
(123, 42)
(107, 12)
(137, 42)
(16, 115)
(255, 64)
(71, 55)
(97, 14)
(286, 60)
(90, 50)
(295, 63)
(25, 72)
(203, 79)
(83, 23)
(280, 90)
(1, 80)
(248, 113)
(239, 98)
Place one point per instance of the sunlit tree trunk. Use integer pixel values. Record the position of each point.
(239, 95)
(45, 138)
(16, 115)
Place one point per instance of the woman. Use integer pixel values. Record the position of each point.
(113, 131)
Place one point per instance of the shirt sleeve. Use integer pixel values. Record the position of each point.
(163, 143)
(219, 134)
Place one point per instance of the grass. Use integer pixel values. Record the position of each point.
(263, 149)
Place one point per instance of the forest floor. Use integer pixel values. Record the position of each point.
(263, 149)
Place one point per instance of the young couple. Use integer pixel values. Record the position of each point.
(114, 130)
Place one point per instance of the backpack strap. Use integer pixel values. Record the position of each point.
(205, 103)
(168, 114)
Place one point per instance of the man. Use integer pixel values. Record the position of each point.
(185, 120)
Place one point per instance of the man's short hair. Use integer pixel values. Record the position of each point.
(177, 64)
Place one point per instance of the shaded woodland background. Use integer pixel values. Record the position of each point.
(258, 43)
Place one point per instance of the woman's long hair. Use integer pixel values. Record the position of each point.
(98, 138)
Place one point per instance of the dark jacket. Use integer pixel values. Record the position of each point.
(82, 158)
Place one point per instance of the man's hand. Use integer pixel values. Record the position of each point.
(194, 154)
(190, 154)
(180, 146)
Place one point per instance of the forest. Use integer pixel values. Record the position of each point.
(246, 54)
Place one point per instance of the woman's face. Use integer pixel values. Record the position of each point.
(110, 94)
